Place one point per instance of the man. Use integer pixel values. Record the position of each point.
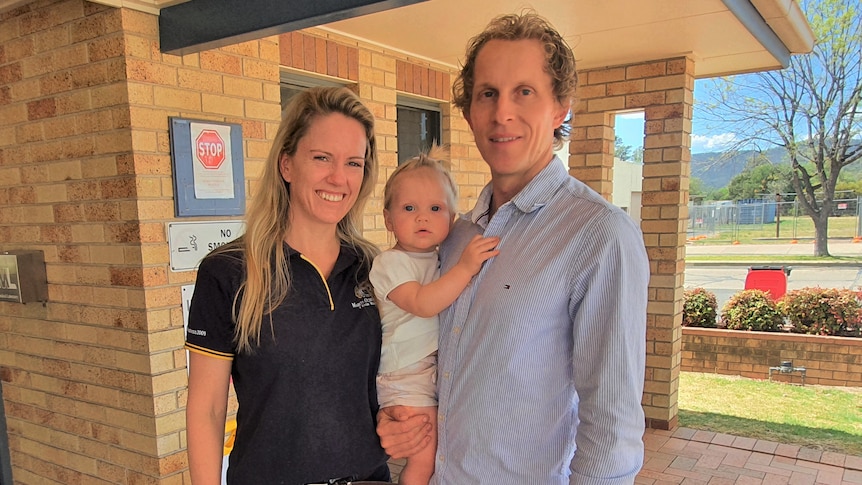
(541, 359)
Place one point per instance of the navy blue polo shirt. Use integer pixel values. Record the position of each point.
(307, 396)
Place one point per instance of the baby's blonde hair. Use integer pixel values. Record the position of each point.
(435, 160)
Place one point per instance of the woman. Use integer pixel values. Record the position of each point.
(288, 313)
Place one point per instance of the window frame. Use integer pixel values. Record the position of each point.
(410, 102)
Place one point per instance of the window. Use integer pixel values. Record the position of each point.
(294, 83)
(418, 127)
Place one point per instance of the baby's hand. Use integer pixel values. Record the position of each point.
(478, 250)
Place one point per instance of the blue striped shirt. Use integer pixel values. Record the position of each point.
(541, 358)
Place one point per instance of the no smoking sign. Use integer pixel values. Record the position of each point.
(210, 149)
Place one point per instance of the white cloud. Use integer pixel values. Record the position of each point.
(712, 143)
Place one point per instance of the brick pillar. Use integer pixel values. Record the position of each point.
(663, 90)
(591, 144)
(667, 159)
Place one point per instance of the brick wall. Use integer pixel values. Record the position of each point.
(94, 381)
(828, 361)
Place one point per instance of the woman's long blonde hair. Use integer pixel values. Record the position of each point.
(266, 281)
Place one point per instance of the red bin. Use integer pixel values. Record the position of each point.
(771, 279)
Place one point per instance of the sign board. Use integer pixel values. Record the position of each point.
(189, 242)
(207, 162)
(212, 172)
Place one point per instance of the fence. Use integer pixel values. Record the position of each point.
(770, 219)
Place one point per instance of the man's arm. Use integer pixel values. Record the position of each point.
(402, 435)
(609, 335)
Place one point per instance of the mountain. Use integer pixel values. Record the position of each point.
(716, 169)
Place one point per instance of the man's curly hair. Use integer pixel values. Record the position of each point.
(560, 60)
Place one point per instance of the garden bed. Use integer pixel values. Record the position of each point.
(828, 361)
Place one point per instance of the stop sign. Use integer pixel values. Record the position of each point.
(209, 149)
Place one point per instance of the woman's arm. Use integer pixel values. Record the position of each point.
(206, 409)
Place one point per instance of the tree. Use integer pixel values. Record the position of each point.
(811, 108)
(850, 186)
(627, 152)
(623, 152)
(759, 178)
(696, 189)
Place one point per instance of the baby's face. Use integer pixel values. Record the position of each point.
(419, 214)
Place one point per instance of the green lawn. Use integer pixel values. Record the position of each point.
(800, 228)
(824, 418)
(765, 258)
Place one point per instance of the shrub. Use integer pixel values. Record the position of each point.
(823, 311)
(699, 308)
(752, 310)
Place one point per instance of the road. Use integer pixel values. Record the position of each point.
(724, 281)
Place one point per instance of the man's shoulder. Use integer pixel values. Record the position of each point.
(577, 206)
(576, 197)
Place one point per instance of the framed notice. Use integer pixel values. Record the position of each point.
(10, 286)
(209, 175)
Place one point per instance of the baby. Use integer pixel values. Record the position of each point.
(419, 205)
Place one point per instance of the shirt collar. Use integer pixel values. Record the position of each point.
(347, 257)
(532, 197)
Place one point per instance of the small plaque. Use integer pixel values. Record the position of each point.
(191, 241)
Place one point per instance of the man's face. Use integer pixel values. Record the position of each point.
(513, 111)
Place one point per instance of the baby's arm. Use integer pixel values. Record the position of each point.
(429, 300)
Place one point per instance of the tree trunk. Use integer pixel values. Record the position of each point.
(821, 241)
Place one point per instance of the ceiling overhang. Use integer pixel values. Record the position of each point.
(208, 24)
(722, 36)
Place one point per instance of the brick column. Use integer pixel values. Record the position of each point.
(663, 90)
(591, 144)
(667, 169)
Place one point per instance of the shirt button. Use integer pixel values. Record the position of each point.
(441, 458)
(440, 417)
(456, 330)
(445, 375)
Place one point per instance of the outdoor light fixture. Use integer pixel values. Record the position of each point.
(786, 367)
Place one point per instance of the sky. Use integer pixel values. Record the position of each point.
(629, 127)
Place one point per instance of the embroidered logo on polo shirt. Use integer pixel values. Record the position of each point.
(365, 292)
